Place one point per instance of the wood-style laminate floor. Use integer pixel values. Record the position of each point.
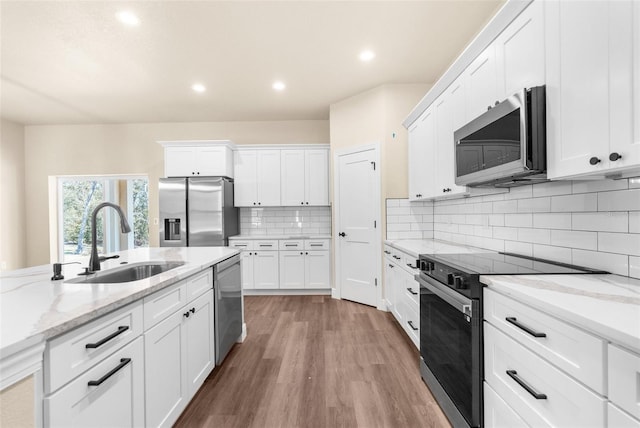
(313, 361)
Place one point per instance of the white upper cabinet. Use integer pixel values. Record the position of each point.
(520, 52)
(422, 156)
(481, 83)
(448, 106)
(592, 128)
(305, 177)
(257, 181)
(198, 158)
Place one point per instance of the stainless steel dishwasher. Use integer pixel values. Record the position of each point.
(227, 295)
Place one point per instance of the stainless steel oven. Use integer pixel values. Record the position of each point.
(451, 350)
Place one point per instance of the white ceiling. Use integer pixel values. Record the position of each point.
(73, 62)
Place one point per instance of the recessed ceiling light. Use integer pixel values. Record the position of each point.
(128, 18)
(279, 86)
(367, 55)
(198, 87)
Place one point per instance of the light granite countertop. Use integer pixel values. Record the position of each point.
(605, 305)
(415, 247)
(33, 308)
(303, 236)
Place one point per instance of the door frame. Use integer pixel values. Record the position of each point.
(336, 292)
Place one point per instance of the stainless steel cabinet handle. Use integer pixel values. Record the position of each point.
(514, 375)
(524, 328)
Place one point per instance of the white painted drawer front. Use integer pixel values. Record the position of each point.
(567, 402)
(569, 348)
(619, 419)
(70, 355)
(412, 294)
(266, 245)
(117, 402)
(497, 413)
(242, 245)
(387, 252)
(291, 244)
(412, 324)
(199, 283)
(409, 264)
(163, 303)
(317, 244)
(624, 380)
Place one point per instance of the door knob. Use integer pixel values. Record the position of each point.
(342, 234)
(614, 157)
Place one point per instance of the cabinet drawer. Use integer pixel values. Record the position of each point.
(616, 418)
(266, 245)
(497, 413)
(567, 402)
(412, 294)
(387, 252)
(199, 283)
(569, 348)
(241, 245)
(412, 324)
(317, 244)
(118, 401)
(291, 244)
(409, 264)
(624, 379)
(74, 352)
(163, 303)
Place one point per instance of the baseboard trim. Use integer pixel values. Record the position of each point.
(292, 292)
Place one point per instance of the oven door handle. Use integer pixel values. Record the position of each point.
(457, 300)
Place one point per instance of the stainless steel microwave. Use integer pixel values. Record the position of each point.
(506, 145)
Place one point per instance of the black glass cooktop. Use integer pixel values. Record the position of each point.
(506, 264)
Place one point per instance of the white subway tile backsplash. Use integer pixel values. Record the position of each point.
(614, 263)
(593, 223)
(634, 222)
(549, 252)
(621, 200)
(608, 221)
(518, 220)
(573, 203)
(589, 186)
(552, 220)
(535, 236)
(522, 248)
(285, 220)
(535, 205)
(552, 188)
(575, 239)
(622, 243)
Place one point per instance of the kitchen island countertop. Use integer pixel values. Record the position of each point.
(33, 308)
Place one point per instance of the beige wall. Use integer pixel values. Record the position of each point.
(129, 149)
(17, 405)
(13, 248)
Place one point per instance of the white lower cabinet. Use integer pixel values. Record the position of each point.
(542, 371)
(402, 291)
(179, 355)
(109, 394)
(285, 264)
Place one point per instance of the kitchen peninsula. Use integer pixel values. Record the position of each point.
(38, 315)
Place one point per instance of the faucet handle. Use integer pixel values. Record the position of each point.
(103, 258)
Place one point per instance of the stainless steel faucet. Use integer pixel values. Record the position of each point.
(94, 261)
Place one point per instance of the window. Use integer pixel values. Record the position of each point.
(79, 196)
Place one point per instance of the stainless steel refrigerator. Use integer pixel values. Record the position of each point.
(197, 212)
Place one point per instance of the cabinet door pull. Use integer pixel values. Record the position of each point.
(289, 245)
(123, 362)
(410, 290)
(411, 266)
(316, 245)
(396, 257)
(412, 326)
(514, 375)
(266, 245)
(522, 327)
(391, 266)
(387, 252)
(99, 343)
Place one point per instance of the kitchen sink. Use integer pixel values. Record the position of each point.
(129, 273)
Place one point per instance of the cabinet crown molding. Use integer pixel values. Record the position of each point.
(281, 146)
(198, 143)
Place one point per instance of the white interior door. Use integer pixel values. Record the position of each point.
(357, 209)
